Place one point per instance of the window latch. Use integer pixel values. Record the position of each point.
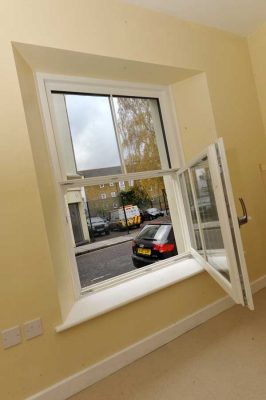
(244, 218)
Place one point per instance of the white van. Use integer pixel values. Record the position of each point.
(118, 220)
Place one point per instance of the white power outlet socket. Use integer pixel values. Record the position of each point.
(32, 328)
(11, 337)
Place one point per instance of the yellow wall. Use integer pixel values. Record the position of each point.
(257, 48)
(195, 114)
(33, 261)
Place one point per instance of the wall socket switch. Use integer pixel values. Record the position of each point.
(11, 337)
(32, 328)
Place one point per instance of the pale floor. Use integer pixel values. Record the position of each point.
(223, 359)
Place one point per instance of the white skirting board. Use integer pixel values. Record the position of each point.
(81, 380)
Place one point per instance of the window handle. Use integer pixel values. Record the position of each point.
(244, 219)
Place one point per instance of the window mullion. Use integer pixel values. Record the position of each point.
(119, 144)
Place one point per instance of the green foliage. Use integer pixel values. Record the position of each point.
(137, 195)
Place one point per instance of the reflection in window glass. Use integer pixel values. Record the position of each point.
(191, 212)
(138, 122)
(93, 135)
(209, 221)
(229, 214)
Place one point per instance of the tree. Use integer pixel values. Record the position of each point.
(138, 139)
(137, 134)
(137, 195)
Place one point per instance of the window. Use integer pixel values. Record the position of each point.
(122, 185)
(124, 137)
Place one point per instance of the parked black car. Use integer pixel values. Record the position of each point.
(152, 213)
(98, 226)
(155, 242)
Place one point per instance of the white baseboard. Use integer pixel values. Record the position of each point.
(81, 380)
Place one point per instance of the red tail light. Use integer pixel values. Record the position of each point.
(164, 248)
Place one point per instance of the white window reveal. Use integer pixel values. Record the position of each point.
(103, 196)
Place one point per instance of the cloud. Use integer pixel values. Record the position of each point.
(92, 132)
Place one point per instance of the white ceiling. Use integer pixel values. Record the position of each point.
(238, 16)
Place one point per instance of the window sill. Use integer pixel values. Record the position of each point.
(95, 304)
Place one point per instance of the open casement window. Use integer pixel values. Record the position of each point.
(213, 230)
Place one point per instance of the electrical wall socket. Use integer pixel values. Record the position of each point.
(32, 328)
(11, 337)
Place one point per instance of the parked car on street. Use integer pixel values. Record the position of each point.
(152, 213)
(155, 242)
(98, 226)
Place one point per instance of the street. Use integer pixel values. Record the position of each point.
(132, 231)
(113, 234)
(103, 264)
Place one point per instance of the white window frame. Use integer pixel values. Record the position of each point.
(103, 196)
(113, 194)
(45, 84)
(135, 282)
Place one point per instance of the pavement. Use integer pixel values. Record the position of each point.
(87, 248)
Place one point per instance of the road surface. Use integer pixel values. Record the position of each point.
(103, 264)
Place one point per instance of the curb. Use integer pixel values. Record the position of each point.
(103, 246)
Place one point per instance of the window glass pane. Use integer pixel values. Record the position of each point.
(113, 238)
(209, 221)
(93, 135)
(190, 210)
(229, 214)
(141, 134)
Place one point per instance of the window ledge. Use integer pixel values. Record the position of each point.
(95, 304)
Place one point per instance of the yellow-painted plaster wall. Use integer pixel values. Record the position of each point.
(257, 48)
(195, 114)
(33, 262)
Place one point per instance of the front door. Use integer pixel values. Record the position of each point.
(76, 223)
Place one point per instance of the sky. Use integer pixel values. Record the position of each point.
(92, 132)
